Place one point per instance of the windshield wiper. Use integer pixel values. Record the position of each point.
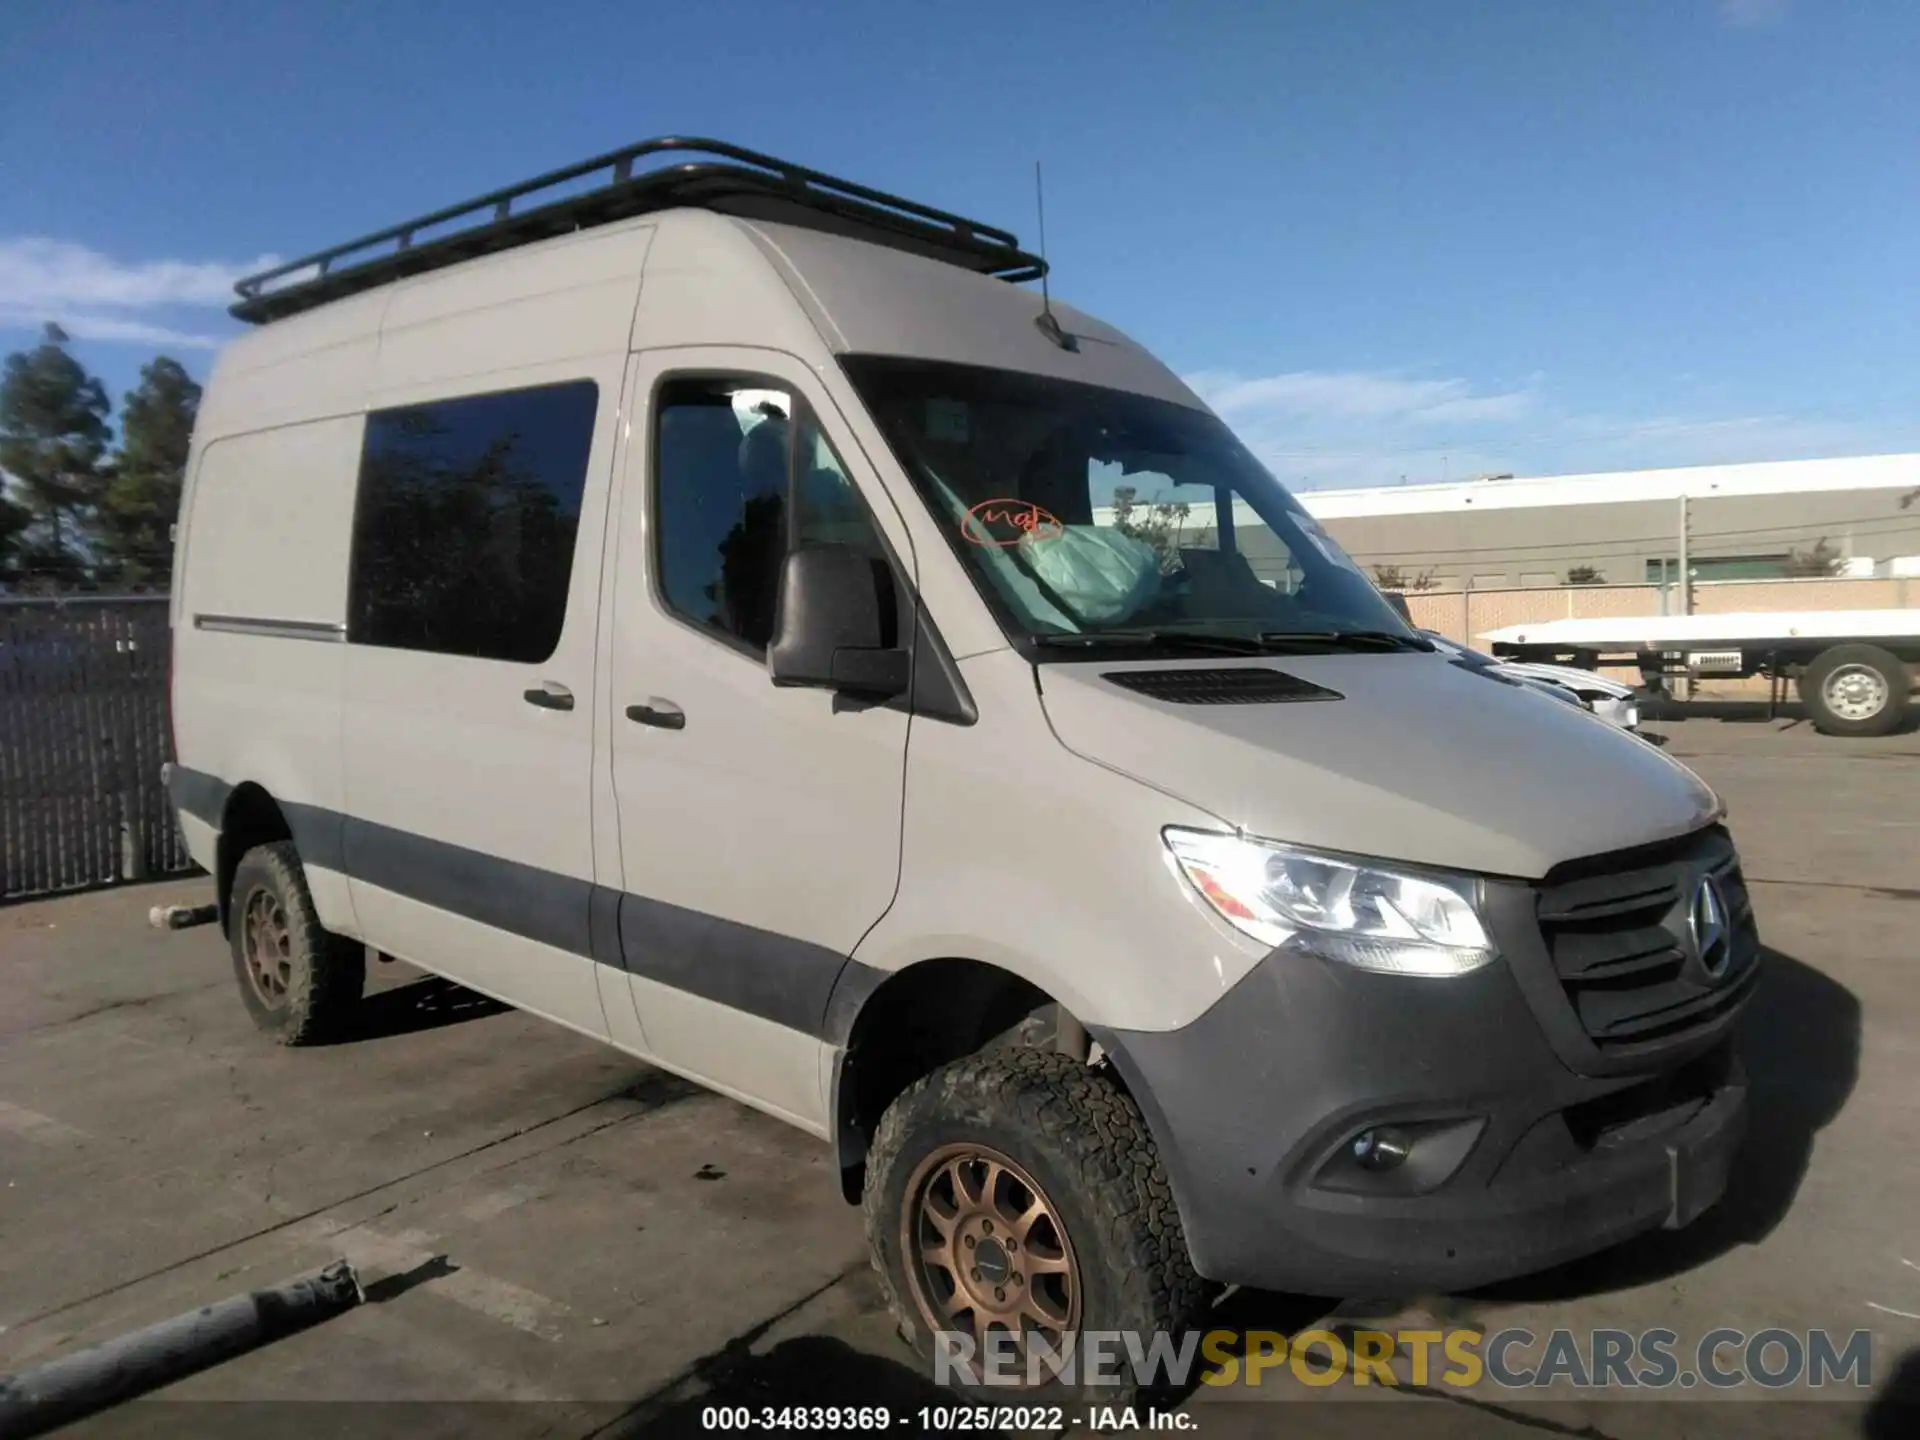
(1207, 641)
(1345, 639)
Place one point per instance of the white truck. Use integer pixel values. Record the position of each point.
(1853, 668)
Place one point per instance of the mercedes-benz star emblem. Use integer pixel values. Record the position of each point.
(1707, 925)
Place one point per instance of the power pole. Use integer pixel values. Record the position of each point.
(1686, 593)
(1686, 575)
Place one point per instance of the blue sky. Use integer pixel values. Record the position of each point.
(1388, 238)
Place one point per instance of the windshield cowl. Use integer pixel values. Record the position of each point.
(1172, 642)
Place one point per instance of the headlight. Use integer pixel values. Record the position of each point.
(1363, 915)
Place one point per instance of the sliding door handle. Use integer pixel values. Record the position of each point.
(549, 695)
(663, 714)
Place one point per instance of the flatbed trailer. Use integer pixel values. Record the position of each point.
(1853, 669)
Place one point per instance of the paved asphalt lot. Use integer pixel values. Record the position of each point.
(543, 1221)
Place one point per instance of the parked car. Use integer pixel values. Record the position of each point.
(1613, 702)
(679, 609)
(1548, 688)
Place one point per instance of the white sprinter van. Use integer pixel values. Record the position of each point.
(725, 612)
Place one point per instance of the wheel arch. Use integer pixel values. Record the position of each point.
(249, 818)
(890, 1028)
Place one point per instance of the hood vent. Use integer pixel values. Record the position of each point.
(1225, 685)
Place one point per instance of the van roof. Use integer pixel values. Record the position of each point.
(739, 182)
(711, 280)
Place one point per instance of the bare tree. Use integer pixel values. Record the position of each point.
(1823, 559)
(1392, 577)
(1160, 524)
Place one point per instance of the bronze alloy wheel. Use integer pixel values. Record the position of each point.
(269, 947)
(985, 1250)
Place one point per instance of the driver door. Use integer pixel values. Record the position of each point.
(759, 828)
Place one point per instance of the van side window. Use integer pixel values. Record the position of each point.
(464, 527)
(727, 454)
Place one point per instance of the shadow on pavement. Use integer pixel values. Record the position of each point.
(807, 1371)
(426, 1004)
(1788, 714)
(1249, 1312)
(1738, 712)
(1894, 1413)
(1800, 1041)
(392, 1287)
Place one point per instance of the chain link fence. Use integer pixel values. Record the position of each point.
(83, 734)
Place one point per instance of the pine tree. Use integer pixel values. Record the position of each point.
(53, 433)
(14, 520)
(132, 525)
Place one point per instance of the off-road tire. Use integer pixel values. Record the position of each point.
(1082, 1138)
(325, 972)
(1893, 674)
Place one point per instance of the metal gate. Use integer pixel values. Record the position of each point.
(83, 733)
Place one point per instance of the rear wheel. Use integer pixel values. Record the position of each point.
(1015, 1198)
(1856, 690)
(300, 982)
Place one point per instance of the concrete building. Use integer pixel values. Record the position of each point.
(1744, 522)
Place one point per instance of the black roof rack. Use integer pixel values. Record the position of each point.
(737, 182)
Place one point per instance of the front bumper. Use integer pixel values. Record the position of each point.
(1531, 1141)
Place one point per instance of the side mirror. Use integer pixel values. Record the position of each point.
(828, 627)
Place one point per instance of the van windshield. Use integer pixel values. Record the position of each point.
(1093, 518)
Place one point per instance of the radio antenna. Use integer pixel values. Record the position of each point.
(1048, 323)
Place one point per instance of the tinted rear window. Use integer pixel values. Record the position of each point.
(466, 520)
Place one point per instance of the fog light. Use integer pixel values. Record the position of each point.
(1382, 1148)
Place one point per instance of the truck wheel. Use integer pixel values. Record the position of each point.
(300, 982)
(1017, 1194)
(1856, 690)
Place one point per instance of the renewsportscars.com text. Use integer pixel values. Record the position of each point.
(1659, 1359)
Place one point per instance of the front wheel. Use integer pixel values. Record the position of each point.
(300, 982)
(1856, 690)
(1014, 1199)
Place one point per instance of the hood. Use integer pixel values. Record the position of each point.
(1419, 759)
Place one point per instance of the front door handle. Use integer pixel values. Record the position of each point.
(661, 713)
(549, 695)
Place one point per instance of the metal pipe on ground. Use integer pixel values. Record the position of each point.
(62, 1391)
(181, 917)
